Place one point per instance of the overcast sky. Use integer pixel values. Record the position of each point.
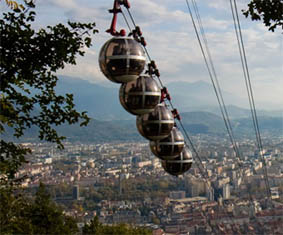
(172, 43)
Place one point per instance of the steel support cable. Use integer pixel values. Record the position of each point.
(253, 108)
(217, 88)
(203, 169)
(129, 27)
(132, 18)
(244, 70)
(134, 23)
(210, 74)
(248, 76)
(249, 89)
(221, 105)
(223, 109)
(232, 138)
(230, 131)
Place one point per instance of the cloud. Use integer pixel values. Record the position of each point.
(86, 68)
(172, 42)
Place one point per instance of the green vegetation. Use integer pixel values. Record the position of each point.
(22, 215)
(136, 189)
(270, 11)
(40, 215)
(28, 66)
(96, 228)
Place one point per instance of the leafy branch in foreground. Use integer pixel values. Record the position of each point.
(270, 11)
(28, 65)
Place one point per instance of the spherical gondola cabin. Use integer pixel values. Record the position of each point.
(156, 125)
(180, 164)
(122, 59)
(140, 96)
(169, 147)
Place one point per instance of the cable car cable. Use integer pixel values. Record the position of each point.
(126, 20)
(249, 90)
(213, 77)
(236, 149)
(223, 107)
(204, 175)
(131, 17)
(230, 131)
(216, 88)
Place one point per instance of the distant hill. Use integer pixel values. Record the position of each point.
(203, 122)
(236, 112)
(125, 130)
(102, 102)
(190, 96)
(112, 123)
(267, 125)
(96, 131)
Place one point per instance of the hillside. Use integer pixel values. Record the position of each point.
(112, 123)
(125, 130)
(102, 102)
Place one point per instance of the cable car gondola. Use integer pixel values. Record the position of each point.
(169, 147)
(180, 164)
(156, 125)
(122, 59)
(140, 96)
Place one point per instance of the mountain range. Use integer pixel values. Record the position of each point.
(110, 122)
(125, 130)
(102, 102)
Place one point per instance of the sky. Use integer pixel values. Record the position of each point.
(172, 43)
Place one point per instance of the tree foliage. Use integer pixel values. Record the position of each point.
(39, 215)
(97, 228)
(28, 64)
(14, 4)
(270, 11)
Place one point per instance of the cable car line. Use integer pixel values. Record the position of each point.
(122, 60)
(217, 86)
(222, 106)
(213, 76)
(223, 109)
(202, 169)
(135, 26)
(212, 72)
(236, 148)
(126, 20)
(245, 68)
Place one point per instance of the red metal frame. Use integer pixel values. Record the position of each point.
(165, 94)
(117, 9)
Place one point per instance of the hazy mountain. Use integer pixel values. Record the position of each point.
(202, 122)
(99, 101)
(125, 130)
(112, 123)
(189, 96)
(235, 112)
(95, 131)
(103, 102)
